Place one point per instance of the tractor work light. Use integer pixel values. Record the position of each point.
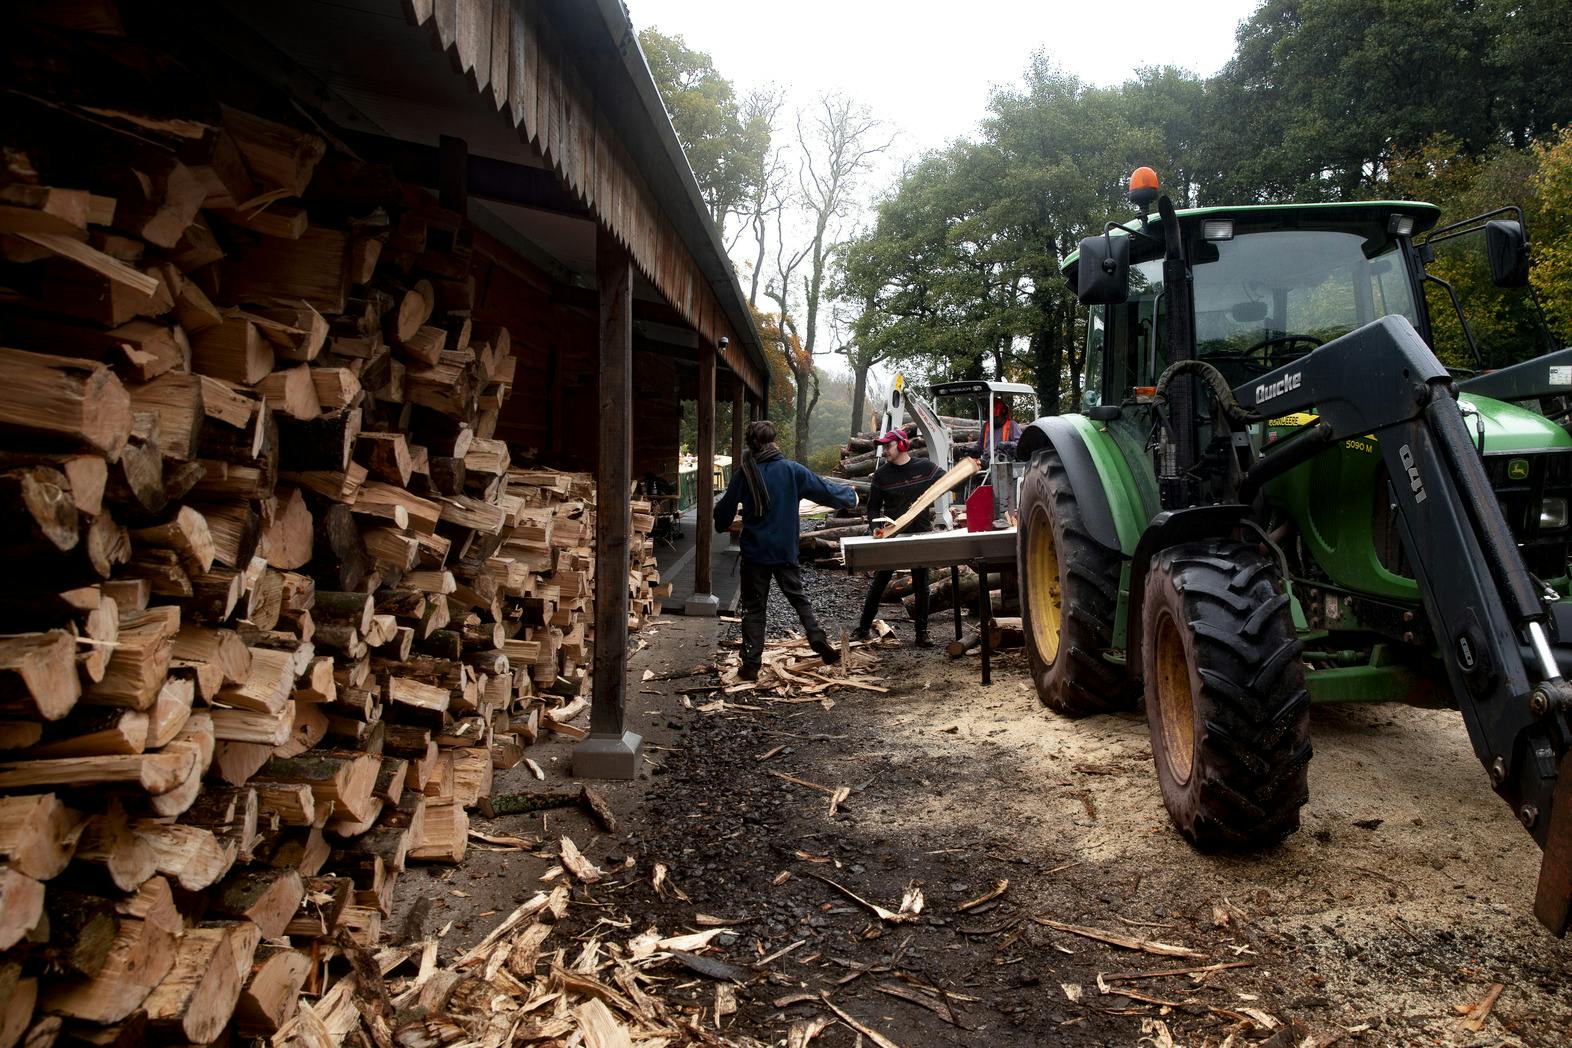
(1400, 225)
(1553, 514)
(1218, 229)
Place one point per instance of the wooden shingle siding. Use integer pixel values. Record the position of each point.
(511, 47)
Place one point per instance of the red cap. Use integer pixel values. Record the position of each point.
(896, 437)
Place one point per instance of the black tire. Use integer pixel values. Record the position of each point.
(1225, 695)
(1069, 587)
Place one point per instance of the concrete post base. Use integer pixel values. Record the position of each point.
(702, 604)
(608, 756)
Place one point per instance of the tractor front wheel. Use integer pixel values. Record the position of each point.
(1069, 586)
(1225, 695)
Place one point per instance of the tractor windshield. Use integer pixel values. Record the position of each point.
(1265, 298)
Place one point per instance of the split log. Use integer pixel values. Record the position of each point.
(233, 351)
(38, 835)
(60, 398)
(272, 991)
(343, 778)
(190, 855)
(21, 906)
(197, 997)
(267, 898)
(446, 834)
(82, 930)
(142, 954)
(38, 674)
(109, 844)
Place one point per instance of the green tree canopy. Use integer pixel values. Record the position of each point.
(726, 140)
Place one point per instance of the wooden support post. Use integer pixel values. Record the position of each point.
(611, 751)
(453, 174)
(703, 600)
(738, 407)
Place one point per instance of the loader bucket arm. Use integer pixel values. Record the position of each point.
(1549, 375)
(1486, 611)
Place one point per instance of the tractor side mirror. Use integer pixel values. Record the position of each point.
(1506, 245)
(1103, 271)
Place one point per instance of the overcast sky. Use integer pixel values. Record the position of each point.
(926, 66)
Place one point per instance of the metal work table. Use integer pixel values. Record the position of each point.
(982, 550)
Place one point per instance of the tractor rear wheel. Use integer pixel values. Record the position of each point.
(1225, 694)
(1069, 586)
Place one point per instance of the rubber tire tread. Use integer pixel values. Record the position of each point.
(1250, 772)
(1080, 681)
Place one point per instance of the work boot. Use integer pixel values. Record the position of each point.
(862, 633)
(922, 639)
(823, 649)
(748, 671)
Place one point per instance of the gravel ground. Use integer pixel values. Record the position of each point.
(1406, 895)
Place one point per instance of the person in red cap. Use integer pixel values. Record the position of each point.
(898, 483)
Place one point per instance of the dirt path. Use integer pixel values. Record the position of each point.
(1406, 894)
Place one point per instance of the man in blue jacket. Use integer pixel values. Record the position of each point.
(768, 486)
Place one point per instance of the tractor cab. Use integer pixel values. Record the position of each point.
(1267, 285)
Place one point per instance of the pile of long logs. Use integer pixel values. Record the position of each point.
(277, 605)
(859, 458)
(860, 455)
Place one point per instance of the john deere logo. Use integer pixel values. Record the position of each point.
(1517, 469)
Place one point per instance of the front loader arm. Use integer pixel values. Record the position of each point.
(1485, 608)
(1544, 376)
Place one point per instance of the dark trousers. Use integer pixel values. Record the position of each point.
(755, 597)
(881, 579)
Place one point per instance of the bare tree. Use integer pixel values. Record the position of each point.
(761, 110)
(837, 142)
(799, 359)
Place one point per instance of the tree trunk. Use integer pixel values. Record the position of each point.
(800, 428)
(859, 394)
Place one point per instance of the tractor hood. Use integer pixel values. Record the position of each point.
(1509, 429)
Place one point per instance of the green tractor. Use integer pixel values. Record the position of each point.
(1276, 495)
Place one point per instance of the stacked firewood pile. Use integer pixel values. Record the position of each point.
(277, 604)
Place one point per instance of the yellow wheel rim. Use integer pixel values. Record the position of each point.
(1047, 599)
(1175, 705)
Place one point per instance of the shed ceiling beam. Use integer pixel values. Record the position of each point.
(486, 178)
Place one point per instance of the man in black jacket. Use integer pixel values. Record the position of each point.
(895, 486)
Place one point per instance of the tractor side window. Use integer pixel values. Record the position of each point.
(1129, 336)
(1148, 355)
(1504, 321)
(1092, 365)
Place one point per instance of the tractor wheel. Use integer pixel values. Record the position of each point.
(1225, 695)
(1069, 593)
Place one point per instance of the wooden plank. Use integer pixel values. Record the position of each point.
(529, 75)
(518, 63)
(500, 49)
